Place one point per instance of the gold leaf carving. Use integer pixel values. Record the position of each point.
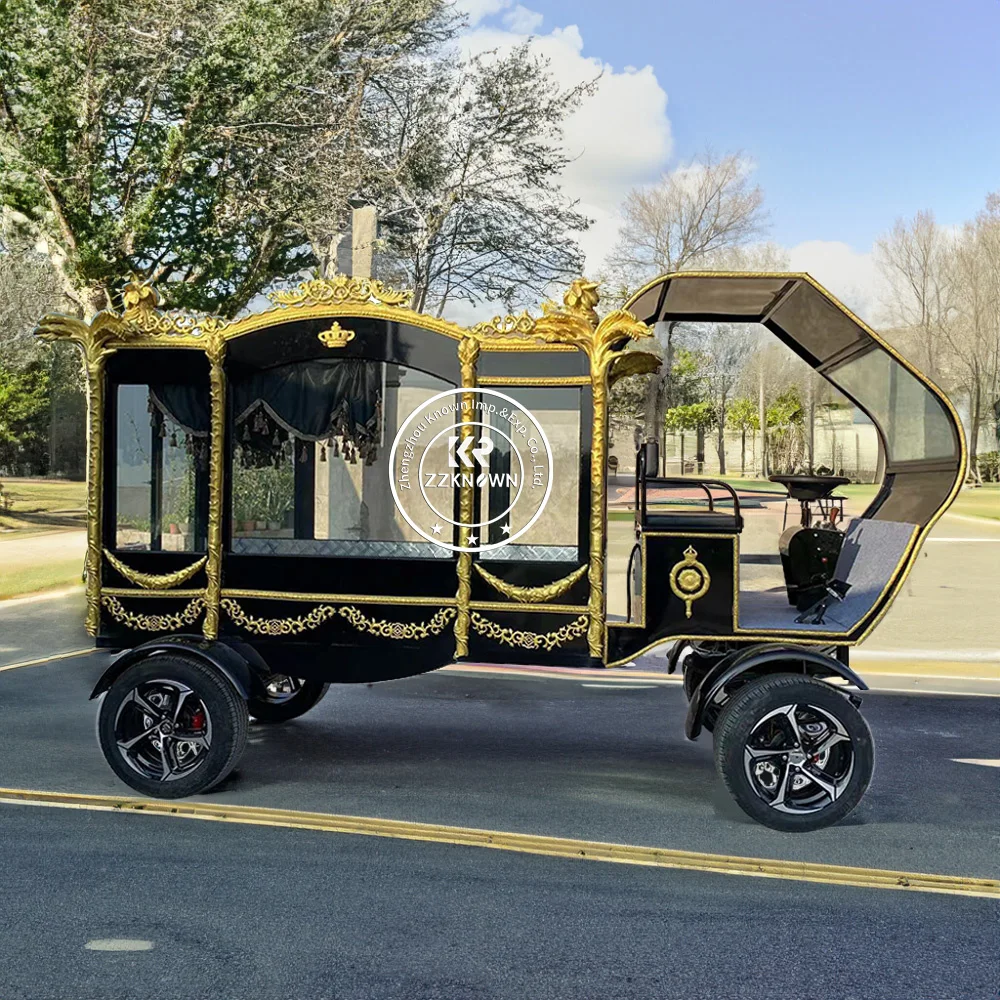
(155, 581)
(340, 288)
(531, 595)
(530, 640)
(154, 623)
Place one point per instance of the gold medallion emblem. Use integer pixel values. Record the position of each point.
(689, 579)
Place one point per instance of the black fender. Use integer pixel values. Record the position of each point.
(773, 658)
(217, 655)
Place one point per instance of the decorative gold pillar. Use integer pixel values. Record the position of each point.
(94, 354)
(468, 355)
(215, 349)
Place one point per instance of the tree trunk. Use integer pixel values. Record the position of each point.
(743, 453)
(762, 419)
(976, 407)
(682, 453)
(811, 432)
(722, 449)
(699, 438)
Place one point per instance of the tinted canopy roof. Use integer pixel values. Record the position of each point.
(918, 427)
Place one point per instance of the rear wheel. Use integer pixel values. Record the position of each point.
(285, 698)
(171, 727)
(794, 752)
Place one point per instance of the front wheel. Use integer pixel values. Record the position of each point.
(171, 727)
(794, 752)
(284, 698)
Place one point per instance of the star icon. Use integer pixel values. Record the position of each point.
(506, 529)
(436, 528)
(472, 539)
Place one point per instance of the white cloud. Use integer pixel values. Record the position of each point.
(620, 136)
(851, 275)
(523, 21)
(477, 10)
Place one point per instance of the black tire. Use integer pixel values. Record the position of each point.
(772, 777)
(207, 730)
(275, 705)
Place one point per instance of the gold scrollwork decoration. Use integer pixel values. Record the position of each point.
(324, 612)
(340, 288)
(530, 640)
(188, 615)
(532, 595)
(689, 579)
(277, 626)
(336, 336)
(398, 630)
(155, 581)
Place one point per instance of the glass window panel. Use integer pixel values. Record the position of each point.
(160, 476)
(324, 489)
(915, 423)
(557, 410)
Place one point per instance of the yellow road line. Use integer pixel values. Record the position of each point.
(48, 659)
(587, 850)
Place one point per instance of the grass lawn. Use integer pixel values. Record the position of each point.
(31, 579)
(43, 504)
(983, 501)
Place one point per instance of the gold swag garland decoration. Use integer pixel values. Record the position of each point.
(529, 595)
(155, 581)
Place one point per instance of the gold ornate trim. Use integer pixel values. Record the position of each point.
(689, 580)
(154, 623)
(341, 289)
(531, 595)
(277, 626)
(155, 581)
(215, 351)
(303, 623)
(398, 630)
(530, 640)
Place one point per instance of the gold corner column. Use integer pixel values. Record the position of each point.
(94, 358)
(468, 356)
(215, 349)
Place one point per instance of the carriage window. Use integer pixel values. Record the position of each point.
(915, 423)
(554, 536)
(311, 444)
(161, 471)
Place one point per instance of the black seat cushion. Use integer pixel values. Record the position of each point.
(691, 520)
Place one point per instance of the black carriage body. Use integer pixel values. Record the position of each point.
(334, 360)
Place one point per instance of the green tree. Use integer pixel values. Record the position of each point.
(697, 417)
(196, 142)
(24, 418)
(784, 436)
(743, 417)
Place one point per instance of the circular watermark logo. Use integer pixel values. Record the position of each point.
(503, 456)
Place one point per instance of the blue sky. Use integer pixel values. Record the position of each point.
(855, 112)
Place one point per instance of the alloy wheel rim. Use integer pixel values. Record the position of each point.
(163, 730)
(799, 759)
(280, 688)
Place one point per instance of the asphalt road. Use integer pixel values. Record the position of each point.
(568, 758)
(253, 911)
(250, 912)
